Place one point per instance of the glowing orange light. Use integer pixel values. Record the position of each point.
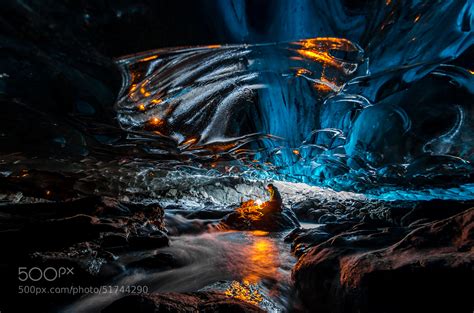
(149, 58)
(156, 101)
(318, 56)
(302, 71)
(262, 260)
(189, 141)
(297, 152)
(141, 107)
(246, 292)
(213, 46)
(471, 71)
(417, 18)
(250, 210)
(156, 122)
(323, 87)
(388, 2)
(259, 233)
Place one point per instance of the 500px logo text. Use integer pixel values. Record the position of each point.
(48, 273)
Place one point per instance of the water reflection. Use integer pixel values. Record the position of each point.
(254, 266)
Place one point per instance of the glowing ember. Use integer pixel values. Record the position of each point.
(246, 292)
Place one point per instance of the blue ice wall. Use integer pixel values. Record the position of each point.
(399, 114)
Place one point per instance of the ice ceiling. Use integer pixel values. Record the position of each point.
(391, 105)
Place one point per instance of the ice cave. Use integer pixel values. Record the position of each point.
(237, 156)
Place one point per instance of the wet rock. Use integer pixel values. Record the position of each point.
(63, 231)
(271, 221)
(156, 239)
(327, 218)
(180, 302)
(308, 239)
(391, 269)
(113, 240)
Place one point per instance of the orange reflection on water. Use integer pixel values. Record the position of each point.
(262, 261)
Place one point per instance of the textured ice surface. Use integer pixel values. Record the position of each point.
(308, 111)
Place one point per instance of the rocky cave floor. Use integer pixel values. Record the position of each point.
(364, 256)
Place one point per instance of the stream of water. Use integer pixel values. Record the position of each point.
(251, 265)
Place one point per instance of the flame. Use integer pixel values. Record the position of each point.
(417, 18)
(296, 151)
(213, 46)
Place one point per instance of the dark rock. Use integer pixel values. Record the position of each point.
(271, 221)
(435, 210)
(152, 240)
(327, 218)
(388, 270)
(180, 302)
(113, 240)
(64, 231)
(302, 209)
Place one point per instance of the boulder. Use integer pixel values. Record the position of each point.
(270, 221)
(428, 269)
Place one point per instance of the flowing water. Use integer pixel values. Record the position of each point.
(250, 265)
